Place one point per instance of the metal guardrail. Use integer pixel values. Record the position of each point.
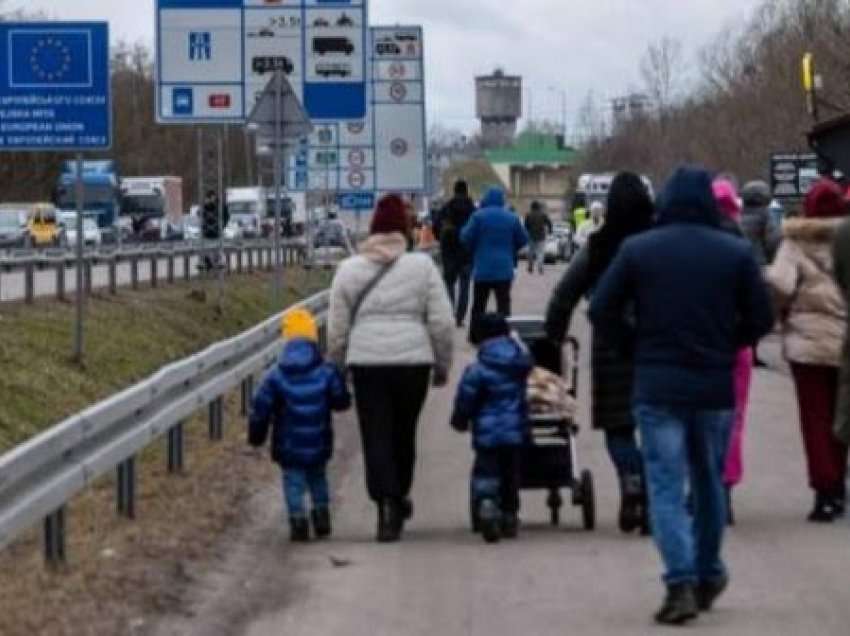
(239, 256)
(39, 477)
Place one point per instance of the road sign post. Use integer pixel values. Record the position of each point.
(55, 96)
(279, 120)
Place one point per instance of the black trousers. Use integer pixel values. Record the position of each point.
(389, 401)
(496, 475)
(481, 297)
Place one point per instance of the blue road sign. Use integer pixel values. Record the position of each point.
(356, 201)
(220, 52)
(54, 86)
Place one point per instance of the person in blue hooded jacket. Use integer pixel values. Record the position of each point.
(494, 236)
(699, 297)
(296, 399)
(492, 398)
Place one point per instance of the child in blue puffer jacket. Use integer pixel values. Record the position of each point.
(296, 399)
(492, 397)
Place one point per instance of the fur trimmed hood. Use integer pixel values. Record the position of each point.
(812, 230)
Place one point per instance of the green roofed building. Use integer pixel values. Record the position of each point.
(538, 166)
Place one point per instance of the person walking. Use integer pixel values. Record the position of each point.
(296, 400)
(494, 236)
(538, 225)
(814, 318)
(841, 251)
(691, 315)
(630, 212)
(457, 262)
(760, 228)
(390, 323)
(491, 400)
(592, 225)
(733, 473)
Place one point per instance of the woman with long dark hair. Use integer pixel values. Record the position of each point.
(630, 211)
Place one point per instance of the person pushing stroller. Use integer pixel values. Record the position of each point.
(491, 400)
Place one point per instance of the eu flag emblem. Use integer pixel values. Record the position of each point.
(50, 59)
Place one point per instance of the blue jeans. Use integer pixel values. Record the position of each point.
(296, 482)
(625, 454)
(536, 256)
(682, 445)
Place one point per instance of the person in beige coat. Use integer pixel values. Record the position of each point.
(391, 325)
(814, 315)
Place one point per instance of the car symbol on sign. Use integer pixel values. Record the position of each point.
(271, 63)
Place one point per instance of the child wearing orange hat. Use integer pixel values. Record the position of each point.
(296, 400)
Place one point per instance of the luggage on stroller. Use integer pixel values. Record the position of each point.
(550, 460)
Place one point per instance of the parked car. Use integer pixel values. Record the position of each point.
(44, 228)
(552, 249)
(249, 224)
(91, 233)
(13, 228)
(563, 232)
(192, 228)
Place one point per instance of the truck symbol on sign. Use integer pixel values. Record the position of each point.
(331, 70)
(387, 48)
(270, 63)
(323, 46)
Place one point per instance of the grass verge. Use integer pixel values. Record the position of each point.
(121, 574)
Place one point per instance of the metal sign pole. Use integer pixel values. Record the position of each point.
(78, 324)
(278, 195)
(221, 203)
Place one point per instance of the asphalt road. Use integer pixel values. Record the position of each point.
(789, 577)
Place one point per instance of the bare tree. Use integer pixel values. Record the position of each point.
(662, 70)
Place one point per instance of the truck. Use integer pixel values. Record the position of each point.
(101, 194)
(152, 208)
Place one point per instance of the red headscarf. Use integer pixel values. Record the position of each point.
(390, 216)
(825, 201)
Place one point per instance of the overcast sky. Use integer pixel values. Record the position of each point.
(575, 45)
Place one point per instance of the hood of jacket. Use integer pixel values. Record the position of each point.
(507, 356)
(756, 195)
(688, 198)
(383, 248)
(814, 237)
(299, 356)
(495, 198)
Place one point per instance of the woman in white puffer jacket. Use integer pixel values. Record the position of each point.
(391, 325)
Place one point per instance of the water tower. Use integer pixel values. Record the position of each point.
(498, 100)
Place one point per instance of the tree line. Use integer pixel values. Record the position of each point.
(741, 101)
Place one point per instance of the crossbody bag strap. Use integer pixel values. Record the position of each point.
(355, 309)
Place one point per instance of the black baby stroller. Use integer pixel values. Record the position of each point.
(549, 461)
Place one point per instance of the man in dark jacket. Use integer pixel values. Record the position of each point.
(296, 399)
(494, 236)
(492, 397)
(457, 262)
(842, 275)
(539, 227)
(698, 296)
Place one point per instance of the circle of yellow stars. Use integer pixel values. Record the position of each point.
(59, 62)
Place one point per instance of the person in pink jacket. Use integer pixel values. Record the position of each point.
(730, 208)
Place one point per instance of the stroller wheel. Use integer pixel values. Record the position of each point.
(588, 500)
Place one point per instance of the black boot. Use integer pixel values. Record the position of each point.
(709, 591)
(510, 525)
(491, 521)
(680, 605)
(631, 503)
(406, 509)
(825, 510)
(322, 523)
(299, 530)
(839, 500)
(389, 522)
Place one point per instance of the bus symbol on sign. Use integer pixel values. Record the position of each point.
(398, 91)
